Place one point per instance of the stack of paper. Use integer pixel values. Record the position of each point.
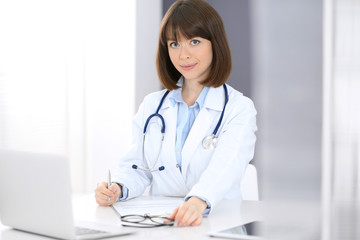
(151, 205)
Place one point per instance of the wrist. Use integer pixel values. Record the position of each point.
(201, 203)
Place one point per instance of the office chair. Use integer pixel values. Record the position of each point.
(249, 184)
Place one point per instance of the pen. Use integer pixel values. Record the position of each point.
(109, 183)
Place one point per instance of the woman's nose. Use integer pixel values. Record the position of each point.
(184, 53)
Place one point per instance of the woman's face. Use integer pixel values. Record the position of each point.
(191, 57)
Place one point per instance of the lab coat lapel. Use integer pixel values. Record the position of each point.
(169, 113)
(202, 125)
(195, 137)
(170, 117)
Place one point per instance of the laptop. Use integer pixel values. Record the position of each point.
(36, 197)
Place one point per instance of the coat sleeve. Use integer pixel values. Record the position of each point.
(235, 149)
(135, 180)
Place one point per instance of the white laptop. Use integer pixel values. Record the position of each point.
(36, 197)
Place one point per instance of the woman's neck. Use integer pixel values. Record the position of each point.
(191, 91)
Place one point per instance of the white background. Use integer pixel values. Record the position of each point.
(68, 74)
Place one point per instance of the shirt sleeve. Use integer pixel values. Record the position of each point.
(125, 192)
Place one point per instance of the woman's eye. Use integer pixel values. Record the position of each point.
(195, 42)
(174, 44)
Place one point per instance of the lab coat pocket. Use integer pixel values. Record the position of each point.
(166, 183)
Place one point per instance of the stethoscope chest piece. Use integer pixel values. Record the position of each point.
(209, 142)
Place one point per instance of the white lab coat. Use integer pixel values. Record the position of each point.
(210, 174)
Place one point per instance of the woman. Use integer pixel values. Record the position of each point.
(193, 64)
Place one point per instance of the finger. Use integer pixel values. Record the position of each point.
(114, 188)
(105, 191)
(99, 199)
(113, 199)
(182, 215)
(103, 199)
(197, 221)
(180, 212)
(96, 198)
(106, 202)
(102, 187)
(116, 192)
(172, 216)
(104, 194)
(101, 202)
(187, 218)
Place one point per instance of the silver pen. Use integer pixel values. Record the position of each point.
(109, 183)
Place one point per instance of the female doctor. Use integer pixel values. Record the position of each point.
(195, 138)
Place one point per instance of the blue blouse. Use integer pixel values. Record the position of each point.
(185, 118)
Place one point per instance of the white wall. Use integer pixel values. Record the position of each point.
(67, 81)
(33, 76)
(148, 18)
(109, 73)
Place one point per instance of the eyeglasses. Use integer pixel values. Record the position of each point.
(145, 221)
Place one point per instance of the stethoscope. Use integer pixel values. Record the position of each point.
(208, 142)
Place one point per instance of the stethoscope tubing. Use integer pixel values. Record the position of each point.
(156, 114)
(223, 111)
(152, 169)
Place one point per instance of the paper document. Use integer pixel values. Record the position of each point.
(152, 205)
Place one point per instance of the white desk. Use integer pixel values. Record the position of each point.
(227, 214)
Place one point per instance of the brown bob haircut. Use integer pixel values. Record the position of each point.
(193, 18)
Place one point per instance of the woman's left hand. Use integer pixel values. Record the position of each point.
(189, 213)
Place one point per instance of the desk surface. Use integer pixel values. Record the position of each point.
(227, 214)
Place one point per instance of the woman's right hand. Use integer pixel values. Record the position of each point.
(105, 196)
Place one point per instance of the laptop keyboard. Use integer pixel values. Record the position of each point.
(82, 231)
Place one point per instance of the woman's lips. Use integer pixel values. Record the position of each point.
(188, 67)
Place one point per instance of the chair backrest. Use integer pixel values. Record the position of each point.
(249, 184)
